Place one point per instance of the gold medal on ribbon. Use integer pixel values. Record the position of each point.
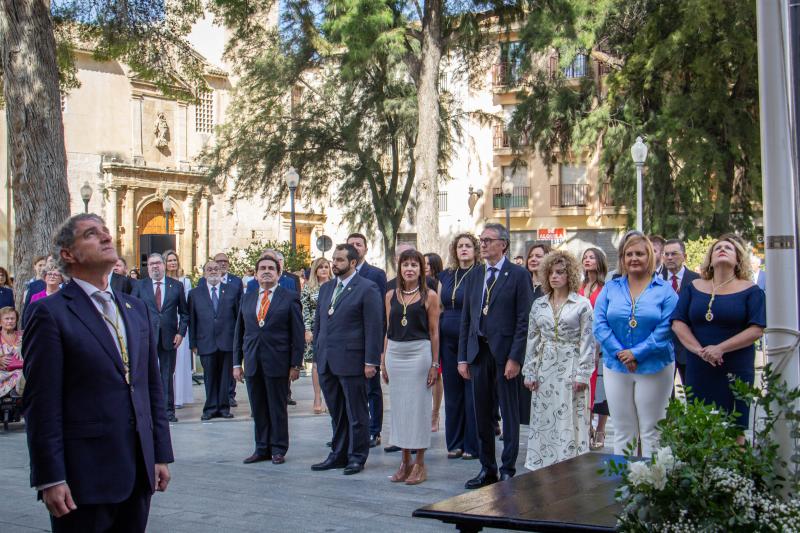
(632, 323)
(486, 310)
(404, 322)
(261, 323)
(330, 311)
(709, 316)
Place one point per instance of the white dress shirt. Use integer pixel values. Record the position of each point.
(163, 282)
(218, 286)
(499, 267)
(678, 275)
(345, 281)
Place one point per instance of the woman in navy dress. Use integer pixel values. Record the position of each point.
(718, 319)
(461, 434)
(6, 290)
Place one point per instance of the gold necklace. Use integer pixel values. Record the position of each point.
(632, 320)
(709, 314)
(489, 289)
(404, 321)
(556, 315)
(457, 283)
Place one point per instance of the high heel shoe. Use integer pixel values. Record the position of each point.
(599, 440)
(402, 473)
(417, 475)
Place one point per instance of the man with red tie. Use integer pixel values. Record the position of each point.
(269, 341)
(677, 275)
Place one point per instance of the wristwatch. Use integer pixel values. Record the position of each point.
(435, 365)
(298, 367)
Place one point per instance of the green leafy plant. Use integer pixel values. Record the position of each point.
(696, 250)
(243, 259)
(703, 480)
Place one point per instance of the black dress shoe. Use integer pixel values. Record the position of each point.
(172, 418)
(205, 417)
(483, 479)
(353, 468)
(290, 401)
(374, 441)
(233, 403)
(257, 458)
(226, 415)
(278, 459)
(392, 448)
(506, 477)
(328, 464)
(329, 444)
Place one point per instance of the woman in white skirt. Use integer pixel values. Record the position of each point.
(183, 361)
(559, 361)
(411, 358)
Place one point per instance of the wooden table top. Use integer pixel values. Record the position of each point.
(567, 496)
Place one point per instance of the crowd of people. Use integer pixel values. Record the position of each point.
(549, 340)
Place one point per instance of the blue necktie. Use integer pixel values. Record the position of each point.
(214, 299)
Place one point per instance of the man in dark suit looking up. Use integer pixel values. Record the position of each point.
(169, 315)
(678, 276)
(213, 309)
(270, 341)
(98, 436)
(491, 349)
(374, 391)
(348, 341)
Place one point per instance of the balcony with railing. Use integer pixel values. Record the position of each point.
(579, 68)
(569, 195)
(506, 76)
(502, 140)
(518, 200)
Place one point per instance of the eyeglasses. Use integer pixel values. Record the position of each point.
(486, 241)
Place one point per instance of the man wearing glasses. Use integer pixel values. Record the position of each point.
(494, 330)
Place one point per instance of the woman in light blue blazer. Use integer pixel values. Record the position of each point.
(632, 325)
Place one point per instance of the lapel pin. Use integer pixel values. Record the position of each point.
(128, 305)
(506, 273)
(349, 288)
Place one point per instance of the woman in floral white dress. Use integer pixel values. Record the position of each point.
(559, 362)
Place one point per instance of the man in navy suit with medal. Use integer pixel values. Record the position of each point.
(491, 349)
(348, 341)
(269, 341)
(98, 435)
(213, 309)
(169, 314)
(374, 391)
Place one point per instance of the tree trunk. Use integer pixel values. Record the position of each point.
(38, 157)
(426, 149)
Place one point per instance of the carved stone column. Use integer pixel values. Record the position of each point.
(202, 228)
(136, 125)
(129, 222)
(180, 134)
(189, 235)
(111, 213)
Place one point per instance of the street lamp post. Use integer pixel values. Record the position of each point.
(292, 180)
(86, 195)
(639, 155)
(508, 190)
(167, 205)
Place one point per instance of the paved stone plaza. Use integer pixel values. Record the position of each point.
(212, 491)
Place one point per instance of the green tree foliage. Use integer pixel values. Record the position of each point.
(696, 250)
(349, 133)
(683, 75)
(244, 259)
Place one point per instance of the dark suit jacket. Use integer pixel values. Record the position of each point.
(210, 332)
(120, 283)
(287, 281)
(83, 421)
(507, 322)
(166, 324)
(688, 277)
(278, 345)
(353, 336)
(37, 285)
(6, 297)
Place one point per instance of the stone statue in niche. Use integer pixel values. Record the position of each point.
(161, 131)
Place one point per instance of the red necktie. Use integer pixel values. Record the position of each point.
(675, 282)
(158, 296)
